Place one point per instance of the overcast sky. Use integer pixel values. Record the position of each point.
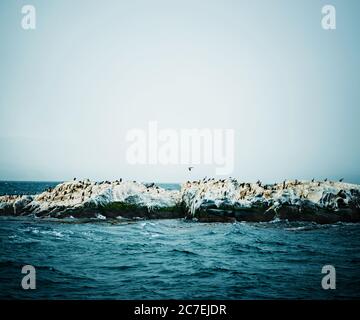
(92, 70)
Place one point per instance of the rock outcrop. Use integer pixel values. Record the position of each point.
(86, 199)
(321, 202)
(205, 200)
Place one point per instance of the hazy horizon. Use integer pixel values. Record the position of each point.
(91, 71)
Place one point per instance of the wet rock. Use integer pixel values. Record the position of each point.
(209, 200)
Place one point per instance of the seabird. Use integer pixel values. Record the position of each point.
(190, 168)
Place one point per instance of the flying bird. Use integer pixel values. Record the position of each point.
(190, 168)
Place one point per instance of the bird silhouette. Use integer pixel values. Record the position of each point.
(341, 180)
(190, 168)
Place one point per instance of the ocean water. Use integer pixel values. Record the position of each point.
(176, 259)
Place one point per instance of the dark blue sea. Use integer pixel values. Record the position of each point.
(174, 259)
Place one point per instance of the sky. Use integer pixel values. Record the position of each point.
(71, 89)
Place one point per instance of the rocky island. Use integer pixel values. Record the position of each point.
(206, 200)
